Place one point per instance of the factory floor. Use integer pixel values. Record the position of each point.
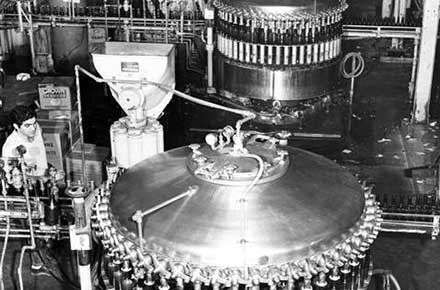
(380, 105)
(380, 148)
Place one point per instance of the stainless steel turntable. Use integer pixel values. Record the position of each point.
(306, 219)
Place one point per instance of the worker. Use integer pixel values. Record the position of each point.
(28, 139)
(26, 142)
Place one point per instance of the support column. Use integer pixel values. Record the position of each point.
(412, 83)
(425, 69)
(209, 17)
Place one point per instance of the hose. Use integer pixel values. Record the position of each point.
(8, 228)
(20, 265)
(390, 275)
(54, 269)
(5, 245)
(357, 70)
(165, 87)
(395, 282)
(31, 227)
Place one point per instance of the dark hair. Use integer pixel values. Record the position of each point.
(20, 114)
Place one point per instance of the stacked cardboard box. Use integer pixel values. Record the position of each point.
(57, 117)
(60, 131)
(94, 164)
(56, 141)
(70, 119)
(72, 116)
(57, 93)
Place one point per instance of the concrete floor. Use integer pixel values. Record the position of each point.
(53, 276)
(380, 105)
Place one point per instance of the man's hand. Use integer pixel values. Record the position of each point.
(60, 176)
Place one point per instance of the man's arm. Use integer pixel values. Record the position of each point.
(8, 150)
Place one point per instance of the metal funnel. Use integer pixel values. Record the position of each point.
(138, 61)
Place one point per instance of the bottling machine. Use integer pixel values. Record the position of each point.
(242, 209)
(281, 56)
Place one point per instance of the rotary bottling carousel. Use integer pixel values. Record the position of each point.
(242, 210)
(280, 58)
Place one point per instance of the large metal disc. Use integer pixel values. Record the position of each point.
(312, 207)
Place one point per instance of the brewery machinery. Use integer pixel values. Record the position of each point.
(31, 209)
(244, 209)
(282, 55)
(138, 135)
(279, 58)
(292, 217)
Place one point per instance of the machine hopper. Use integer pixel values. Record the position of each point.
(137, 62)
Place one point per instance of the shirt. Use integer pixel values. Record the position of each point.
(35, 150)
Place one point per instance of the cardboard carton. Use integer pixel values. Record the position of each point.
(56, 143)
(65, 124)
(57, 93)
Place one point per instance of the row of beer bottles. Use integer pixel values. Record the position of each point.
(109, 11)
(268, 54)
(270, 35)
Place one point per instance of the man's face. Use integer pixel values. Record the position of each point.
(28, 128)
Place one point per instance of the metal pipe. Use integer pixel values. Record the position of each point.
(353, 69)
(405, 223)
(81, 132)
(97, 21)
(12, 199)
(20, 265)
(28, 202)
(407, 231)
(414, 69)
(182, 23)
(72, 9)
(130, 35)
(158, 28)
(166, 21)
(85, 277)
(5, 242)
(437, 197)
(2, 259)
(210, 55)
(409, 215)
(20, 16)
(425, 69)
(105, 20)
(126, 30)
(83, 251)
(139, 215)
(31, 40)
(23, 236)
(167, 88)
(36, 232)
(31, 229)
(191, 190)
